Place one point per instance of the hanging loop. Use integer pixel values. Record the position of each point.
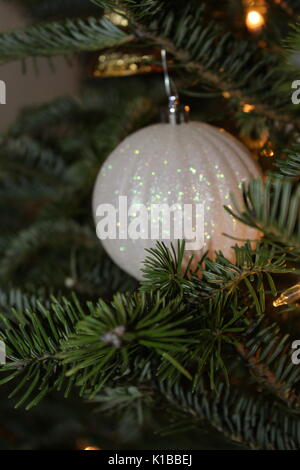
(177, 113)
(168, 83)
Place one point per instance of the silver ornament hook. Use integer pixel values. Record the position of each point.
(167, 76)
(177, 113)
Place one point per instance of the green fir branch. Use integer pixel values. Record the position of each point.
(250, 274)
(29, 242)
(206, 51)
(242, 417)
(293, 41)
(32, 340)
(268, 354)
(59, 38)
(290, 165)
(273, 208)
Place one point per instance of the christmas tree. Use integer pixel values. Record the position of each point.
(200, 355)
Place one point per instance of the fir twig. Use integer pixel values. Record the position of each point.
(59, 38)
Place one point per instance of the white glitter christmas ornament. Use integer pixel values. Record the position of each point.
(190, 163)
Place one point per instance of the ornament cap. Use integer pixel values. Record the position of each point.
(176, 113)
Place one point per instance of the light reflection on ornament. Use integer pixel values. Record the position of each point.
(83, 444)
(267, 152)
(247, 108)
(256, 143)
(119, 64)
(254, 20)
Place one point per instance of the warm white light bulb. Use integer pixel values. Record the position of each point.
(289, 296)
(254, 20)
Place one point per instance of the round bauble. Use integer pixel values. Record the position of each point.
(188, 164)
